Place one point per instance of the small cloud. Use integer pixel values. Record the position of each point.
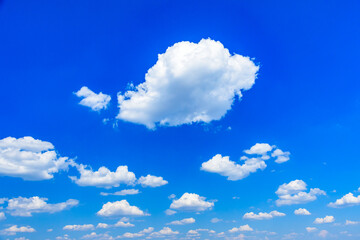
(327, 219)
(302, 211)
(92, 100)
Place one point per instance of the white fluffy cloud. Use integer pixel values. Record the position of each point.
(131, 235)
(263, 215)
(311, 229)
(15, 229)
(243, 228)
(280, 156)
(191, 82)
(120, 208)
(346, 201)
(24, 207)
(92, 100)
(30, 159)
(259, 149)
(302, 211)
(327, 219)
(230, 169)
(123, 192)
(103, 225)
(191, 202)
(152, 181)
(237, 171)
(138, 234)
(291, 187)
(166, 231)
(84, 227)
(123, 222)
(294, 193)
(104, 177)
(182, 222)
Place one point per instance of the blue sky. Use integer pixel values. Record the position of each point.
(71, 104)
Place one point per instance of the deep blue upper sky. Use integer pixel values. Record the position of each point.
(306, 100)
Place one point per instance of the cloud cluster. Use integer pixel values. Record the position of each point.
(182, 222)
(243, 228)
(92, 100)
(120, 208)
(25, 207)
(15, 229)
(230, 169)
(263, 215)
(104, 177)
(236, 171)
(327, 219)
(123, 222)
(30, 159)
(302, 211)
(84, 227)
(294, 193)
(190, 82)
(346, 201)
(166, 231)
(191, 202)
(152, 181)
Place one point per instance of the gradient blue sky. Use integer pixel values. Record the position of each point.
(306, 100)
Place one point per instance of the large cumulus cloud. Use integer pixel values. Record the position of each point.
(190, 82)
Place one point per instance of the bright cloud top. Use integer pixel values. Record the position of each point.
(30, 159)
(346, 201)
(120, 208)
(327, 219)
(15, 229)
(191, 202)
(182, 222)
(243, 228)
(83, 227)
(190, 82)
(230, 169)
(263, 215)
(294, 193)
(302, 211)
(104, 177)
(166, 231)
(235, 171)
(123, 222)
(92, 100)
(152, 181)
(25, 207)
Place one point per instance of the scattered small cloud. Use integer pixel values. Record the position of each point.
(263, 215)
(92, 100)
(327, 219)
